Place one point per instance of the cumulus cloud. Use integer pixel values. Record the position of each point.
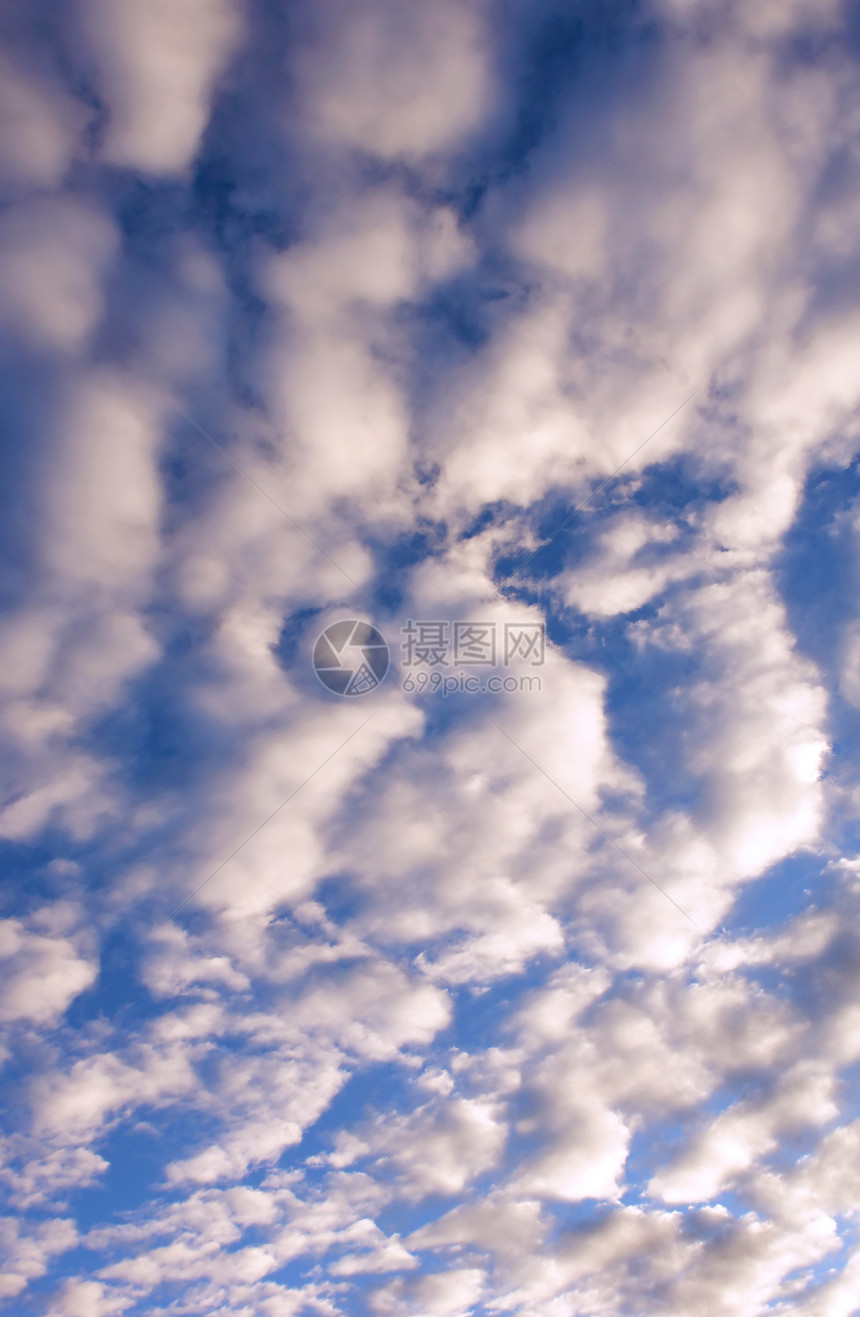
(43, 127)
(54, 255)
(29, 1250)
(43, 972)
(158, 64)
(397, 80)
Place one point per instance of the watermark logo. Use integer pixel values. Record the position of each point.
(351, 658)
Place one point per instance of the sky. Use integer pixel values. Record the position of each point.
(430, 658)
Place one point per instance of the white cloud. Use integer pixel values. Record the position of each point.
(42, 974)
(54, 253)
(158, 64)
(450, 1294)
(442, 1147)
(78, 1102)
(72, 647)
(42, 128)
(743, 1135)
(29, 1250)
(89, 1298)
(51, 1174)
(586, 1161)
(365, 258)
(397, 80)
(754, 742)
(105, 496)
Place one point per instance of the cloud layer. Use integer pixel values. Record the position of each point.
(446, 1000)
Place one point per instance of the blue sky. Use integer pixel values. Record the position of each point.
(535, 996)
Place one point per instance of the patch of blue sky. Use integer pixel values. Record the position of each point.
(801, 882)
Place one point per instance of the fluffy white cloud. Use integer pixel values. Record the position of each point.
(42, 128)
(54, 253)
(89, 1298)
(42, 972)
(441, 1147)
(70, 649)
(77, 1103)
(158, 63)
(756, 731)
(397, 79)
(743, 1135)
(452, 1294)
(28, 1250)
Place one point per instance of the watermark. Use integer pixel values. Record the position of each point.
(472, 644)
(352, 658)
(461, 683)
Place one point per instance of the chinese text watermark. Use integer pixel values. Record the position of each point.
(352, 657)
